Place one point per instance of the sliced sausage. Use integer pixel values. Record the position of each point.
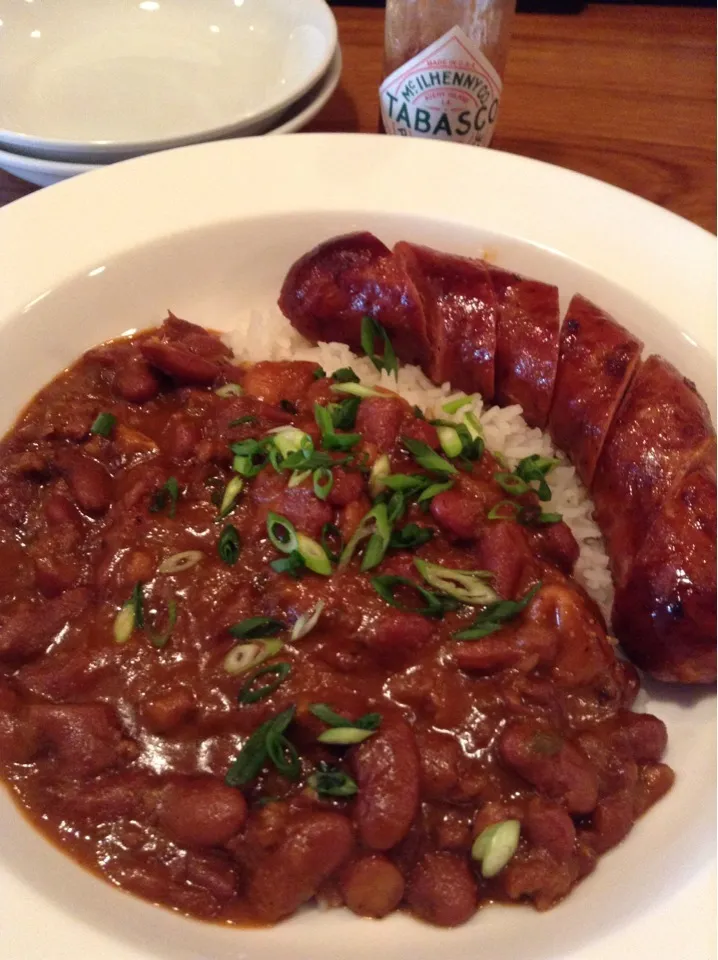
(442, 890)
(461, 310)
(527, 339)
(661, 424)
(553, 765)
(396, 636)
(504, 551)
(89, 482)
(314, 849)
(179, 364)
(547, 825)
(387, 771)
(201, 812)
(135, 381)
(83, 739)
(25, 633)
(379, 420)
(274, 381)
(597, 358)
(328, 291)
(665, 614)
(372, 886)
(346, 487)
(555, 543)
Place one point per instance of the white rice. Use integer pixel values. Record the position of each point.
(271, 337)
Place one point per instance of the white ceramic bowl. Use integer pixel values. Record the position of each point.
(98, 80)
(43, 173)
(97, 255)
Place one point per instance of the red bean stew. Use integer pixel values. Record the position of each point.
(268, 636)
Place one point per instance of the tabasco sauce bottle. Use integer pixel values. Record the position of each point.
(443, 66)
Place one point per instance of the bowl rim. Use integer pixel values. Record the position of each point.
(63, 149)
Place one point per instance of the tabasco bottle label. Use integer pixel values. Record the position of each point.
(449, 91)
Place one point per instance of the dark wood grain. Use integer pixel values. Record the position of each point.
(625, 94)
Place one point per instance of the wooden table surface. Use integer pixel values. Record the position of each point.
(623, 93)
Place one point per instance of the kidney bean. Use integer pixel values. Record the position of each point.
(179, 364)
(523, 648)
(89, 482)
(24, 634)
(105, 799)
(396, 636)
(62, 512)
(372, 886)
(180, 437)
(553, 765)
(451, 830)
(612, 820)
(135, 381)
(156, 885)
(440, 759)
(458, 514)
(347, 487)
(212, 873)
(503, 550)
(643, 735)
(442, 890)
(201, 812)
(555, 543)
(495, 811)
(615, 769)
(420, 430)
(387, 771)
(654, 782)
(547, 825)
(166, 712)
(292, 873)
(538, 877)
(83, 738)
(379, 420)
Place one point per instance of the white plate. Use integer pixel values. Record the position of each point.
(99, 254)
(86, 82)
(43, 172)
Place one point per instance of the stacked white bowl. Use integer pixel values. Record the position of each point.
(84, 83)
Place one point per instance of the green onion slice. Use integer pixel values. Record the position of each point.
(379, 472)
(168, 493)
(371, 331)
(496, 615)
(330, 439)
(307, 622)
(331, 782)
(495, 846)
(322, 481)
(433, 489)
(104, 424)
(298, 477)
(229, 545)
(255, 751)
(511, 483)
(131, 615)
(160, 640)
(408, 483)
(290, 439)
(426, 457)
(344, 414)
(344, 736)
(323, 712)
(345, 375)
(453, 406)
(293, 565)
(533, 516)
(313, 555)
(254, 627)
(466, 586)
(376, 526)
(388, 585)
(231, 492)
(179, 562)
(504, 510)
(251, 694)
(229, 390)
(282, 533)
(320, 373)
(356, 390)
(410, 537)
(534, 469)
(244, 656)
(450, 440)
(332, 541)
